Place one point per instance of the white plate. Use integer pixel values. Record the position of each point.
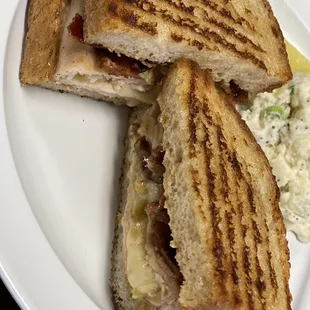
(60, 158)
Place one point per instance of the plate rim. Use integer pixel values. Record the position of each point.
(11, 192)
(22, 227)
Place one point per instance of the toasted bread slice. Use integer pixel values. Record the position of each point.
(41, 46)
(237, 40)
(222, 200)
(54, 59)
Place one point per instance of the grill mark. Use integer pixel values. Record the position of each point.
(245, 255)
(251, 199)
(273, 277)
(182, 7)
(229, 30)
(272, 274)
(198, 44)
(218, 249)
(200, 209)
(205, 111)
(177, 38)
(193, 111)
(223, 147)
(226, 14)
(260, 284)
(228, 215)
(235, 34)
(247, 268)
(205, 33)
(246, 262)
(131, 19)
(257, 234)
(196, 183)
(233, 256)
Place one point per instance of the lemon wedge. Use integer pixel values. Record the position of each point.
(298, 62)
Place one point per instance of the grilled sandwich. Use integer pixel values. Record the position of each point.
(237, 40)
(55, 56)
(199, 226)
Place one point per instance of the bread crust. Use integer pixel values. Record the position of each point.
(42, 40)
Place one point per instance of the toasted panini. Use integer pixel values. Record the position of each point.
(56, 57)
(237, 40)
(195, 167)
(222, 200)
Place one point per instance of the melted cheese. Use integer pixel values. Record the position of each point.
(144, 280)
(140, 274)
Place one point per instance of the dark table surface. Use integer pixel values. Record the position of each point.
(6, 300)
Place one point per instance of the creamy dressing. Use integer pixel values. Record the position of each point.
(280, 122)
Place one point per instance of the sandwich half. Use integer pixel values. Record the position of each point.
(199, 226)
(55, 56)
(238, 40)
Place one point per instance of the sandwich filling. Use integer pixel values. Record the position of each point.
(280, 122)
(118, 65)
(96, 69)
(152, 270)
